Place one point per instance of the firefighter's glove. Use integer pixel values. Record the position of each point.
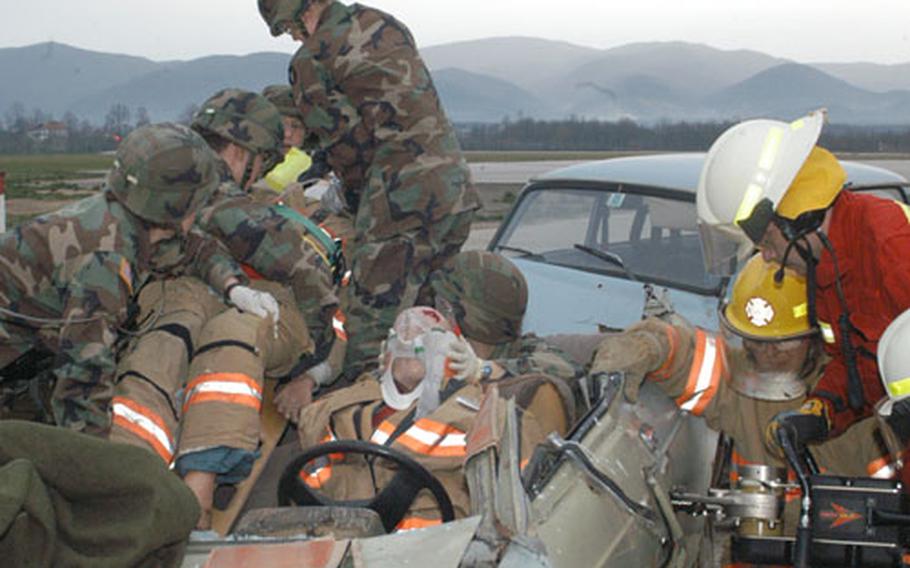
(809, 423)
(632, 353)
(463, 362)
(255, 302)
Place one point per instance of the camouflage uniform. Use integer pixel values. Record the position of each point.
(367, 98)
(486, 296)
(675, 357)
(221, 354)
(81, 266)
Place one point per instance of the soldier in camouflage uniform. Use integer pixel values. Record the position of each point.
(69, 278)
(221, 354)
(485, 296)
(368, 99)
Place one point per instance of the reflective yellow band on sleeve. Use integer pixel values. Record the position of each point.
(899, 388)
(906, 210)
(827, 332)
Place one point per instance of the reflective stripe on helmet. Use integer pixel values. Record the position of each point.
(229, 388)
(899, 388)
(704, 376)
(144, 423)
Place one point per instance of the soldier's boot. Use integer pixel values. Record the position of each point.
(144, 407)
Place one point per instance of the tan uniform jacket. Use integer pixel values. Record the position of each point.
(692, 369)
(437, 441)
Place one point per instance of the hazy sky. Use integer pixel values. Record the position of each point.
(804, 30)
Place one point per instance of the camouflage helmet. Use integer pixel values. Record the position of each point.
(246, 119)
(163, 172)
(282, 96)
(485, 293)
(278, 14)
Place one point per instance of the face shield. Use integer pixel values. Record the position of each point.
(413, 360)
(724, 248)
(765, 369)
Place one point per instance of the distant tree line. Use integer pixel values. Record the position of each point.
(17, 134)
(20, 130)
(576, 134)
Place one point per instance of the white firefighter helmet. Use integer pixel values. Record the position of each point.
(894, 361)
(752, 161)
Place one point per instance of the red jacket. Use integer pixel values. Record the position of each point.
(871, 239)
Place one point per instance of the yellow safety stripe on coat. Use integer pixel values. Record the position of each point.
(426, 437)
(338, 320)
(899, 388)
(144, 423)
(316, 473)
(704, 376)
(827, 332)
(228, 388)
(882, 468)
(905, 209)
(414, 522)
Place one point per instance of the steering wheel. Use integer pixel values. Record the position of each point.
(391, 504)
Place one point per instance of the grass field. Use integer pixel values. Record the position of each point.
(43, 176)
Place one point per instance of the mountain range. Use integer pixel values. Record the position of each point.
(489, 80)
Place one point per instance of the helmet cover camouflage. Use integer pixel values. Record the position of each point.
(163, 172)
(246, 119)
(282, 96)
(486, 293)
(279, 14)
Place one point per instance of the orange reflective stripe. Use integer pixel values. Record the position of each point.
(427, 437)
(663, 373)
(317, 478)
(882, 468)
(413, 522)
(338, 321)
(229, 388)
(145, 424)
(434, 439)
(704, 375)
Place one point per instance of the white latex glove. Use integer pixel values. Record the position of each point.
(462, 359)
(255, 302)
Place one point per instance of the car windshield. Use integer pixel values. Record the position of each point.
(620, 233)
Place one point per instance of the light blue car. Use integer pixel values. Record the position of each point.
(590, 237)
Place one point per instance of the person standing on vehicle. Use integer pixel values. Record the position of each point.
(766, 184)
(766, 361)
(69, 279)
(368, 99)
